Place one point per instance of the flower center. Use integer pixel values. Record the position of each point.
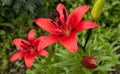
(28, 47)
(66, 31)
(32, 50)
(61, 22)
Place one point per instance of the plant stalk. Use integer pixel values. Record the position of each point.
(87, 38)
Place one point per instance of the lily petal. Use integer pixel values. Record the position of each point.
(62, 12)
(31, 35)
(47, 40)
(76, 15)
(19, 43)
(70, 43)
(16, 56)
(85, 24)
(47, 25)
(43, 53)
(36, 43)
(29, 58)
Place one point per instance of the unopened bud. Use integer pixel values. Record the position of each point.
(97, 9)
(89, 62)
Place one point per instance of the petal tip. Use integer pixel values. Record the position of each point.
(36, 20)
(44, 53)
(31, 35)
(97, 26)
(86, 7)
(32, 30)
(11, 60)
(73, 51)
(15, 40)
(47, 54)
(60, 4)
(28, 66)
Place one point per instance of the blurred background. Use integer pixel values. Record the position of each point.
(17, 18)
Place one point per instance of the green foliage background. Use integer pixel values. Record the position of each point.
(16, 19)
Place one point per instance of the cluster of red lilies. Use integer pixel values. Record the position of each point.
(62, 29)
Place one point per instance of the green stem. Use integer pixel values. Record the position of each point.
(81, 47)
(87, 38)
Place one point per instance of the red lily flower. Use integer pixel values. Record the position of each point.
(28, 49)
(65, 27)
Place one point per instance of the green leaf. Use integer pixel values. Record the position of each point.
(7, 25)
(2, 32)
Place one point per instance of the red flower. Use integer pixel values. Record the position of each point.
(28, 49)
(89, 62)
(65, 27)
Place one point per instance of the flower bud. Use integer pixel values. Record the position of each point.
(89, 62)
(97, 9)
